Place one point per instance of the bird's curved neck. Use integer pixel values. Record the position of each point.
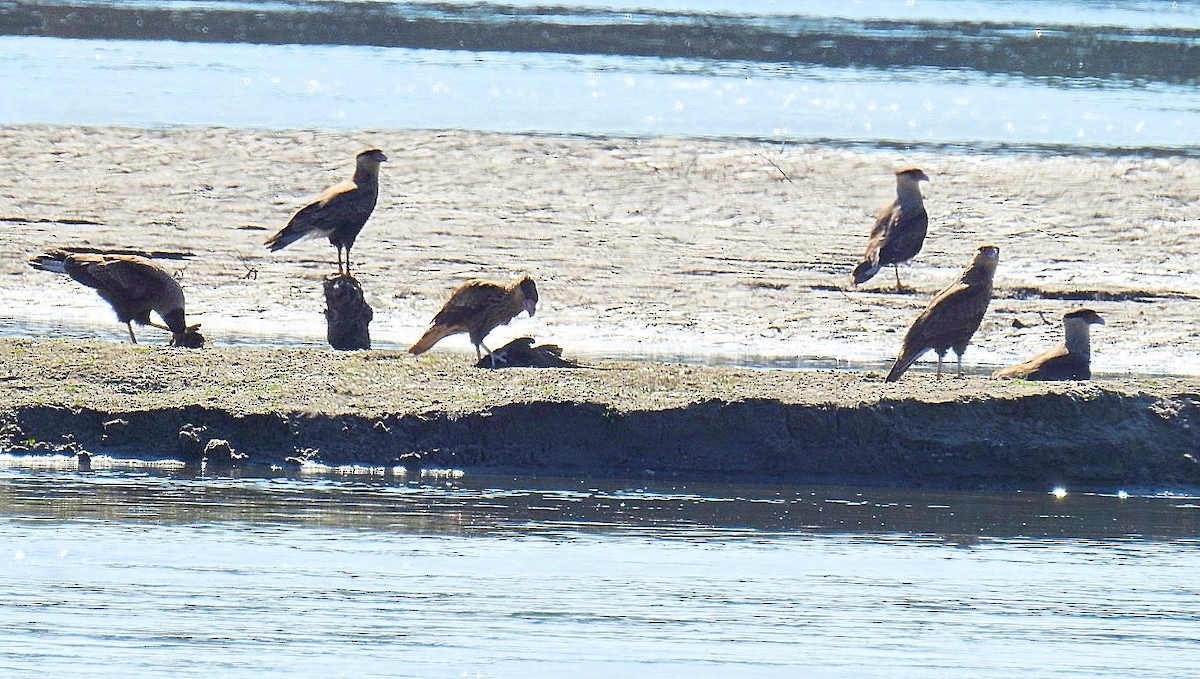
(1077, 337)
(979, 273)
(365, 173)
(908, 194)
(175, 319)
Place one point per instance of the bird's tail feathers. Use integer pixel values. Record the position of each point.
(53, 260)
(431, 337)
(903, 363)
(865, 270)
(288, 235)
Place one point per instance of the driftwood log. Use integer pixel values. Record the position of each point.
(347, 314)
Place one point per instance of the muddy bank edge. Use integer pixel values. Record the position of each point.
(278, 407)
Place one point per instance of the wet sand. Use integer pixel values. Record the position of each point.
(640, 247)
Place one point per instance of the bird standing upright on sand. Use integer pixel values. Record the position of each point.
(339, 213)
(899, 230)
(134, 286)
(1071, 361)
(477, 308)
(952, 317)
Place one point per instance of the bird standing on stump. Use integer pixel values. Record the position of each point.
(899, 230)
(133, 286)
(952, 317)
(477, 308)
(1071, 361)
(339, 213)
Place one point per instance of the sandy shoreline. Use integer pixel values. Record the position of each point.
(663, 246)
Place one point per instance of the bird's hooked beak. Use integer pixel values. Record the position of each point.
(530, 307)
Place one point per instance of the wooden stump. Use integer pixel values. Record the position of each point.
(347, 314)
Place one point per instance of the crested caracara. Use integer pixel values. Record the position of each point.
(952, 317)
(477, 308)
(339, 213)
(1071, 361)
(899, 230)
(134, 286)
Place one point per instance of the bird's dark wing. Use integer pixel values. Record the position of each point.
(340, 206)
(467, 302)
(1062, 366)
(885, 221)
(350, 201)
(78, 266)
(955, 312)
(905, 235)
(1052, 365)
(131, 278)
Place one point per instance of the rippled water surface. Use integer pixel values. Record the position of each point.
(134, 572)
(973, 73)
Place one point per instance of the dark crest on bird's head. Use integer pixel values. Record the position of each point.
(1086, 315)
(987, 252)
(914, 173)
(983, 266)
(182, 334)
(528, 288)
(373, 155)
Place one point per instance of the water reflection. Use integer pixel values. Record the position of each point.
(453, 504)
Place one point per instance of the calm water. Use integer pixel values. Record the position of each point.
(1083, 75)
(128, 572)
